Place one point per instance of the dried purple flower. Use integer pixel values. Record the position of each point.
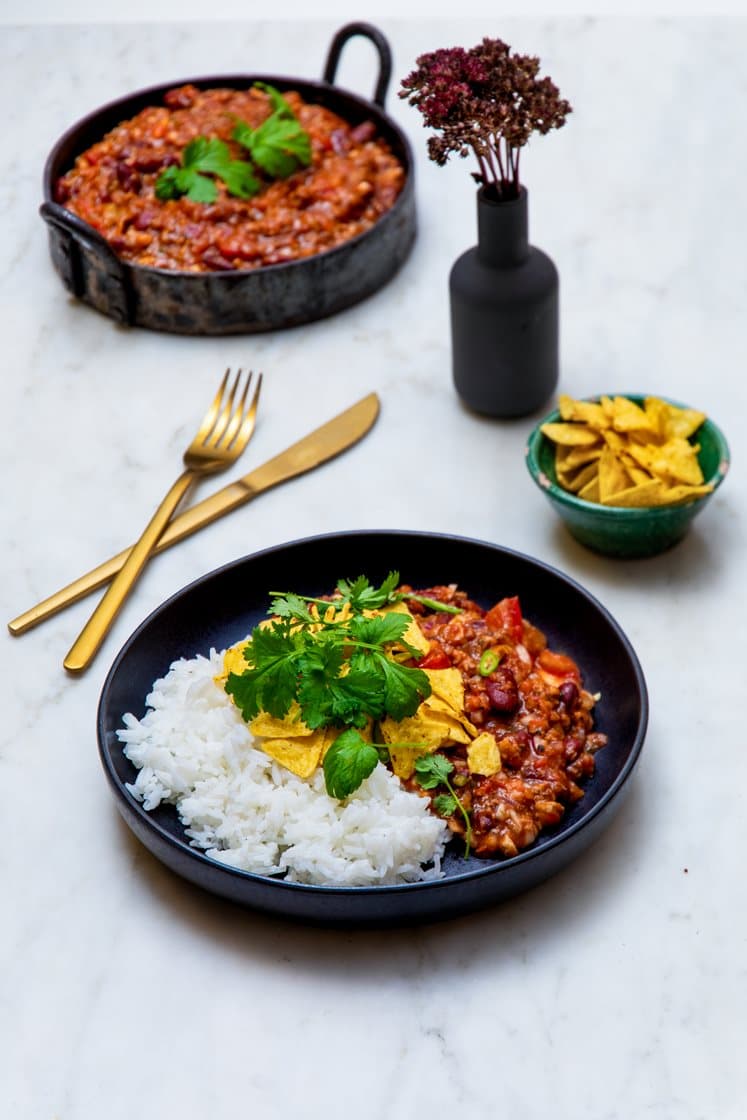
(486, 101)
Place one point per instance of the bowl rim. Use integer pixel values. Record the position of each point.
(553, 489)
(458, 894)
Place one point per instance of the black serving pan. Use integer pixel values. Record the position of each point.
(262, 299)
(222, 607)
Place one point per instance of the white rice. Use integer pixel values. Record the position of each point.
(193, 749)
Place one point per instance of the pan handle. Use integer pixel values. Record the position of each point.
(379, 40)
(76, 235)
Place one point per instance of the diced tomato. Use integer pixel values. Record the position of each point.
(435, 659)
(557, 664)
(505, 618)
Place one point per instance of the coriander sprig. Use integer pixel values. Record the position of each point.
(432, 771)
(200, 159)
(361, 595)
(340, 673)
(350, 759)
(278, 147)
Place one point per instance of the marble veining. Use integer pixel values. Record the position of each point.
(615, 991)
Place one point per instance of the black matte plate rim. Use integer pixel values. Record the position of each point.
(295, 899)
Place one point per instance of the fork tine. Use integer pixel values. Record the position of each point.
(248, 423)
(211, 415)
(213, 437)
(223, 440)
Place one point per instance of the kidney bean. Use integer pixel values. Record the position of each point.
(362, 132)
(340, 141)
(213, 258)
(143, 219)
(569, 695)
(572, 747)
(127, 177)
(503, 693)
(154, 161)
(182, 98)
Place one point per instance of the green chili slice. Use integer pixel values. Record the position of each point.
(488, 662)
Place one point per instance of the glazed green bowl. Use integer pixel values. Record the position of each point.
(619, 531)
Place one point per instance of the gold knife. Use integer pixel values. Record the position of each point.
(324, 443)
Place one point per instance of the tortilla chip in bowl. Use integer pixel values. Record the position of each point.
(627, 473)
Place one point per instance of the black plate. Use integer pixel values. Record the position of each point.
(223, 606)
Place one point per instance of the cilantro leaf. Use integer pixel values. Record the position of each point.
(239, 178)
(404, 688)
(340, 673)
(280, 145)
(279, 104)
(270, 682)
(379, 629)
(347, 763)
(202, 157)
(363, 597)
(432, 770)
(292, 606)
(445, 804)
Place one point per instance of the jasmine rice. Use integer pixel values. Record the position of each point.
(192, 749)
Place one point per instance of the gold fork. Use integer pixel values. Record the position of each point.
(223, 434)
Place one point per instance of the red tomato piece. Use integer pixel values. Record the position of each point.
(435, 659)
(505, 618)
(558, 664)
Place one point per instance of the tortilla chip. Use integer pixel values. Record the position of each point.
(590, 492)
(627, 416)
(570, 435)
(483, 755)
(403, 760)
(448, 684)
(619, 453)
(300, 756)
(290, 726)
(233, 662)
(638, 497)
(616, 442)
(674, 421)
(676, 461)
(413, 635)
(432, 729)
(579, 479)
(586, 411)
(571, 457)
(676, 495)
(612, 475)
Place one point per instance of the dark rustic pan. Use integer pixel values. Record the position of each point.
(280, 295)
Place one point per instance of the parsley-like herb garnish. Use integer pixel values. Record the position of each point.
(278, 147)
(340, 671)
(200, 159)
(348, 762)
(432, 771)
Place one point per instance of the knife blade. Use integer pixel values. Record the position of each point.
(319, 446)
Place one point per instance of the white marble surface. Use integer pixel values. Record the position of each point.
(616, 991)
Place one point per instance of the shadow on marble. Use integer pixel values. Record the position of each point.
(559, 907)
(704, 552)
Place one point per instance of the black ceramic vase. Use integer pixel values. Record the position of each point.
(504, 315)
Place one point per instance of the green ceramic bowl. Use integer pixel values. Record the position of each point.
(618, 531)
